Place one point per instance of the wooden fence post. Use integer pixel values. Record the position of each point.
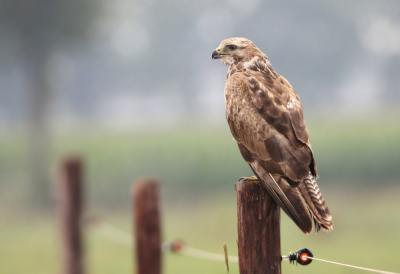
(147, 223)
(258, 230)
(70, 208)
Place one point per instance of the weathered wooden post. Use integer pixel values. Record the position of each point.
(147, 224)
(70, 208)
(259, 239)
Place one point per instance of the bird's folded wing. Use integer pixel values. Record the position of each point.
(264, 125)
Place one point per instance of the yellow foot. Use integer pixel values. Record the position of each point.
(248, 179)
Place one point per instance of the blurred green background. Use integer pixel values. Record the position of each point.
(130, 87)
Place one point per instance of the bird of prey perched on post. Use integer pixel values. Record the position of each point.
(265, 117)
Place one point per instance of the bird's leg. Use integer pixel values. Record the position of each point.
(248, 179)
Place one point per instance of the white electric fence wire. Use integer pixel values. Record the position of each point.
(353, 266)
(194, 252)
(111, 232)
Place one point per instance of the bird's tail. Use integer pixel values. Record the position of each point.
(303, 204)
(316, 204)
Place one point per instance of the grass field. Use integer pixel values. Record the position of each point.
(365, 234)
(359, 171)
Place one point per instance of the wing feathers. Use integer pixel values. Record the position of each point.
(286, 197)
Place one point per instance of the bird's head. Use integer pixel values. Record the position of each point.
(234, 50)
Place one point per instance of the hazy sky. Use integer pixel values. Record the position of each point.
(151, 60)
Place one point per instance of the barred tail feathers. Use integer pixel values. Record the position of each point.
(316, 204)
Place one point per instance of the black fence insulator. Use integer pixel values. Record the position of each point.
(302, 256)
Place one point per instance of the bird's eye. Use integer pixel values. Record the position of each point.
(232, 47)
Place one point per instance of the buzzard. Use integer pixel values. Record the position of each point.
(265, 117)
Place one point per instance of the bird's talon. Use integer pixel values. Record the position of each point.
(248, 179)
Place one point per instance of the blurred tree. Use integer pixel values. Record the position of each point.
(43, 26)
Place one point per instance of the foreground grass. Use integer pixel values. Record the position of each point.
(365, 234)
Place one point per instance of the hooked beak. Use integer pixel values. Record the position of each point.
(217, 53)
